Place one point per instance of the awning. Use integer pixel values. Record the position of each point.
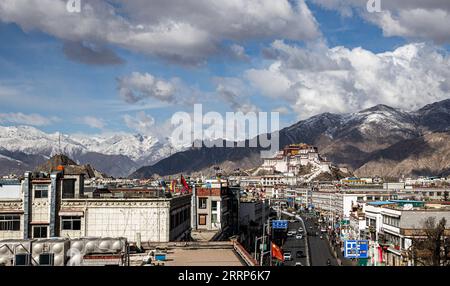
(11, 211)
(71, 213)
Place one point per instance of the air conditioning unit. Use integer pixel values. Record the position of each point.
(59, 247)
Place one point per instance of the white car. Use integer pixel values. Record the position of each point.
(298, 264)
(291, 233)
(287, 256)
(299, 236)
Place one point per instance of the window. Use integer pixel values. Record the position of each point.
(439, 194)
(68, 191)
(202, 219)
(46, 259)
(214, 218)
(431, 194)
(391, 221)
(9, 222)
(40, 194)
(71, 223)
(39, 231)
(214, 205)
(202, 202)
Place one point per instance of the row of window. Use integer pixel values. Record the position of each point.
(12, 223)
(203, 204)
(179, 218)
(393, 221)
(9, 222)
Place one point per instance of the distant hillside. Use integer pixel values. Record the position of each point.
(351, 140)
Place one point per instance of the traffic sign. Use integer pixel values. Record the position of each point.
(356, 249)
(280, 224)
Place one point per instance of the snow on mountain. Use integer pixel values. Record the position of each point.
(31, 140)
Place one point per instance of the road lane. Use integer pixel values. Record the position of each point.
(319, 248)
(293, 245)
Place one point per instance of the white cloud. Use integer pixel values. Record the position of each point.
(238, 52)
(137, 86)
(142, 123)
(415, 19)
(186, 32)
(93, 122)
(315, 80)
(28, 119)
(235, 93)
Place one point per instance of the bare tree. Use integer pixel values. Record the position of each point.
(430, 245)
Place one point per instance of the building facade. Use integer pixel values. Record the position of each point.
(55, 206)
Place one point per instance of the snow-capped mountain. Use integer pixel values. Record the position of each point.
(117, 154)
(351, 140)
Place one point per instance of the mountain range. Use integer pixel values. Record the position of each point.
(380, 140)
(23, 148)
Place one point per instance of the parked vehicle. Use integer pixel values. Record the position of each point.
(291, 233)
(287, 256)
(300, 254)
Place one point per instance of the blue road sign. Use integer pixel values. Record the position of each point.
(356, 249)
(280, 224)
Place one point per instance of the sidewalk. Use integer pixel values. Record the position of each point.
(341, 260)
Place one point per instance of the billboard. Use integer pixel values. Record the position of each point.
(280, 224)
(356, 248)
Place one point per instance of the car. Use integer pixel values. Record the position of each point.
(300, 229)
(300, 254)
(287, 256)
(299, 236)
(298, 264)
(291, 233)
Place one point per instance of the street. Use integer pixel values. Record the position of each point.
(319, 248)
(293, 245)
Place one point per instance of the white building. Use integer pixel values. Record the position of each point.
(55, 206)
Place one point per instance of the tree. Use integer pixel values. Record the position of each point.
(430, 244)
(446, 196)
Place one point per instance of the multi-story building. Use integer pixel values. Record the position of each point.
(214, 203)
(293, 158)
(391, 226)
(55, 206)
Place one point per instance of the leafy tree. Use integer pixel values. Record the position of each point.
(446, 196)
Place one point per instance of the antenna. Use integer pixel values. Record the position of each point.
(59, 143)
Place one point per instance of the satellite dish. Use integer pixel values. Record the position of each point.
(407, 207)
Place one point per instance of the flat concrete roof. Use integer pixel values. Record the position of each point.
(203, 257)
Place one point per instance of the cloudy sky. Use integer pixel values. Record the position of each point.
(129, 65)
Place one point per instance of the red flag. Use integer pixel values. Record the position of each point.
(277, 252)
(185, 185)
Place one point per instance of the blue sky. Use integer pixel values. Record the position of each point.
(38, 78)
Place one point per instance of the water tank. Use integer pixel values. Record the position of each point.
(54, 251)
(10, 247)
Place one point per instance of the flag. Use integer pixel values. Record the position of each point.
(185, 185)
(277, 252)
(173, 186)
